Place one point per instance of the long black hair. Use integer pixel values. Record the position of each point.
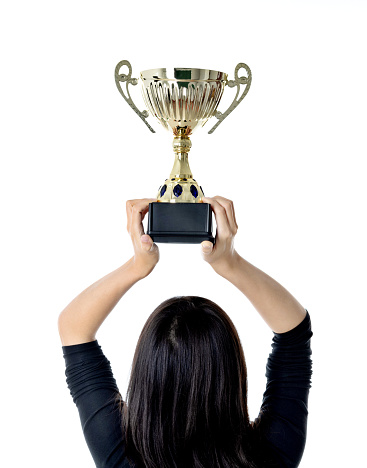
(186, 403)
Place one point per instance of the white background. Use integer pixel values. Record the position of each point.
(291, 157)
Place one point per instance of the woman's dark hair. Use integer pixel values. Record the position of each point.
(187, 395)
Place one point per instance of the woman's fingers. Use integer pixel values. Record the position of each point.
(223, 252)
(223, 223)
(228, 206)
(146, 252)
(136, 211)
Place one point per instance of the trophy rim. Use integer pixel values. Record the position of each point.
(203, 74)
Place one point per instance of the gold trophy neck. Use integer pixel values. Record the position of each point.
(181, 175)
(181, 147)
(181, 168)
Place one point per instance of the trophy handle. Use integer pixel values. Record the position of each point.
(232, 83)
(121, 78)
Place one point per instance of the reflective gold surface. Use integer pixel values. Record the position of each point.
(181, 176)
(128, 80)
(182, 100)
(182, 97)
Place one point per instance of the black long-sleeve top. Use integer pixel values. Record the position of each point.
(282, 421)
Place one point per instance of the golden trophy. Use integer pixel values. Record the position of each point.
(182, 99)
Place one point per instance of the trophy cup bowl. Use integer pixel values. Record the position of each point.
(182, 100)
(182, 96)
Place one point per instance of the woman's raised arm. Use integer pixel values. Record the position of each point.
(280, 310)
(79, 321)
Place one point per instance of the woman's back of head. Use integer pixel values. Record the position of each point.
(187, 396)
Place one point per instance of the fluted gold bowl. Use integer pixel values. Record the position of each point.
(182, 97)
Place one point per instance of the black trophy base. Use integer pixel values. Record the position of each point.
(180, 223)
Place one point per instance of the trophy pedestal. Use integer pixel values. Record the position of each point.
(180, 223)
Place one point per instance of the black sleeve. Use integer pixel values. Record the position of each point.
(283, 415)
(94, 390)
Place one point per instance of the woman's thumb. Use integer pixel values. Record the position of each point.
(206, 247)
(146, 242)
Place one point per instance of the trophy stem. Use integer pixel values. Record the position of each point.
(180, 187)
(181, 146)
(181, 168)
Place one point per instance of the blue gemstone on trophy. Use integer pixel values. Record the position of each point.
(194, 190)
(177, 190)
(184, 178)
(163, 190)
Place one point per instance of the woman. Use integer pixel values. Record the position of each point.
(186, 403)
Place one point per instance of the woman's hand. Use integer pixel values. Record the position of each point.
(146, 252)
(223, 256)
